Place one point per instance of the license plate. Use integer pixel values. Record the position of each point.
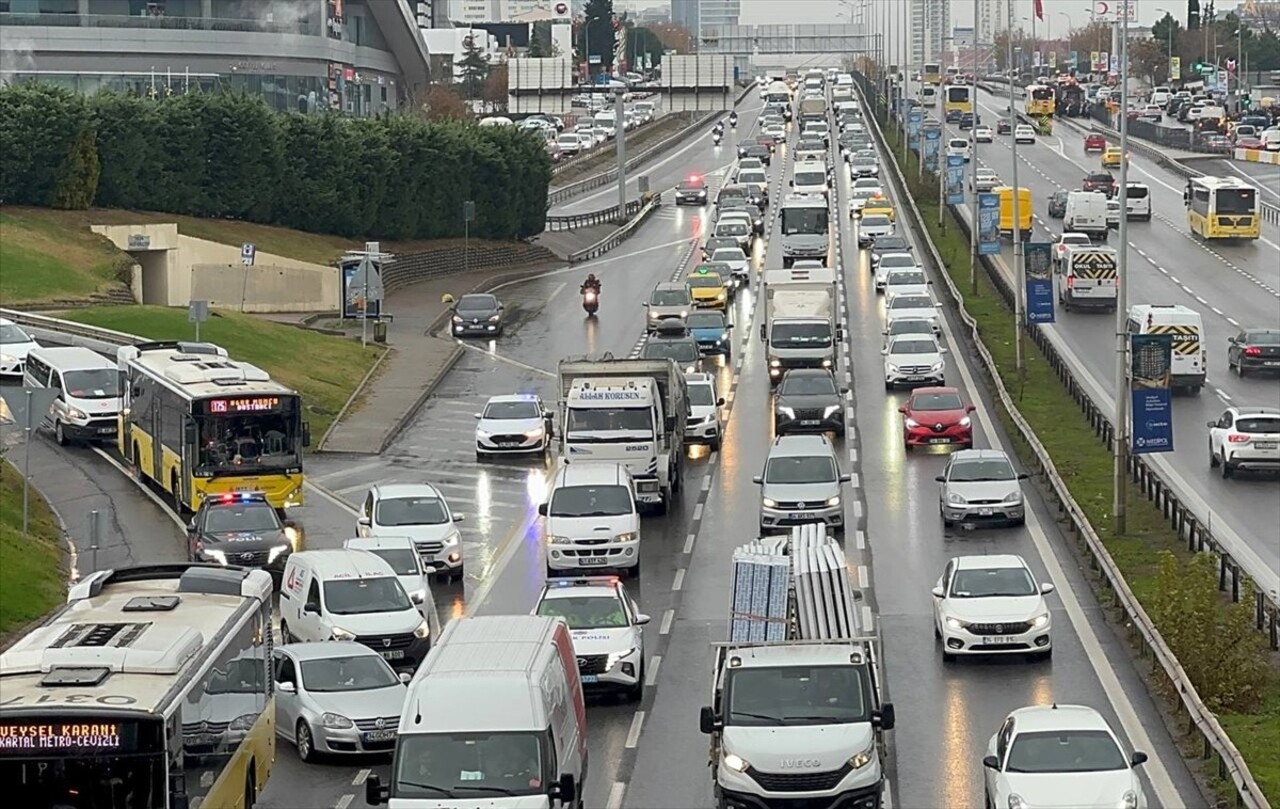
(1266, 445)
(997, 640)
(201, 740)
(915, 379)
(803, 515)
(939, 440)
(984, 512)
(108, 430)
(808, 422)
(587, 679)
(593, 561)
(393, 654)
(378, 736)
(1271, 363)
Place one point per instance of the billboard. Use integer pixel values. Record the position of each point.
(955, 179)
(1036, 262)
(1151, 406)
(988, 224)
(932, 146)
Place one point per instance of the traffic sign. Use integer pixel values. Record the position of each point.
(247, 252)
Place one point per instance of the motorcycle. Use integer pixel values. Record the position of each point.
(716, 137)
(590, 302)
(733, 121)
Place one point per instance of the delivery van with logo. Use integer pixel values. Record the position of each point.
(1189, 362)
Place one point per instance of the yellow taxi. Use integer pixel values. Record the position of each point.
(879, 206)
(1112, 157)
(707, 289)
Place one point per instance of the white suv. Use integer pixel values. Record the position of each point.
(607, 628)
(418, 511)
(703, 425)
(801, 484)
(592, 520)
(1245, 438)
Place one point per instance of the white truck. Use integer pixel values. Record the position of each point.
(1086, 213)
(813, 109)
(806, 231)
(799, 328)
(796, 714)
(1087, 278)
(626, 411)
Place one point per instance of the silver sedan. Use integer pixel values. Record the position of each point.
(337, 697)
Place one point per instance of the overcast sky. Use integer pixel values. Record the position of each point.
(758, 12)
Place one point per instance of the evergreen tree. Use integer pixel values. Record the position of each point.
(475, 69)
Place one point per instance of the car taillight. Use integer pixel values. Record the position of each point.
(1071, 281)
(1236, 438)
(1253, 351)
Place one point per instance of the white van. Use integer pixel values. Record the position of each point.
(592, 519)
(809, 177)
(88, 385)
(1189, 362)
(958, 147)
(1270, 140)
(402, 554)
(606, 120)
(1137, 201)
(341, 594)
(494, 718)
(1086, 213)
(929, 96)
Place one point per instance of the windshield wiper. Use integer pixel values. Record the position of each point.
(432, 787)
(499, 790)
(984, 480)
(763, 717)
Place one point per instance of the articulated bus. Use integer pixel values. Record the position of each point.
(1040, 100)
(1222, 208)
(958, 99)
(150, 689)
(932, 73)
(197, 423)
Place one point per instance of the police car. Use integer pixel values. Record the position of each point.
(241, 528)
(607, 630)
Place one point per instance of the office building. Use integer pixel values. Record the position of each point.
(993, 16)
(930, 25)
(699, 16)
(361, 57)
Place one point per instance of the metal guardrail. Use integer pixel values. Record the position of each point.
(582, 157)
(650, 204)
(1230, 765)
(558, 195)
(607, 216)
(71, 333)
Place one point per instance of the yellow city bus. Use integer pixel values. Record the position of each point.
(150, 689)
(1222, 208)
(197, 423)
(932, 73)
(1040, 100)
(958, 100)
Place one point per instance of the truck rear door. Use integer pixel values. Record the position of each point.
(1092, 275)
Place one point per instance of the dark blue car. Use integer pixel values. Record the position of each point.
(711, 330)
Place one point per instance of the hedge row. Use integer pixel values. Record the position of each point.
(227, 155)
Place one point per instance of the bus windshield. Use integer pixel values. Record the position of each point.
(1235, 201)
(241, 441)
(804, 220)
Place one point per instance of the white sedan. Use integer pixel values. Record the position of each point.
(892, 262)
(1069, 239)
(913, 306)
(1060, 755)
(911, 281)
(1024, 134)
(735, 258)
(15, 344)
(983, 134)
(518, 423)
(991, 605)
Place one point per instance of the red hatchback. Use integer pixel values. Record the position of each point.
(1095, 143)
(936, 416)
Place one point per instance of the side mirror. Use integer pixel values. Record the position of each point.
(478, 416)
(646, 303)
(459, 517)
(1138, 758)
(885, 351)
(1046, 588)
(566, 789)
(1211, 424)
(792, 183)
(886, 717)
(970, 408)
(1023, 476)
(416, 598)
(728, 327)
(846, 478)
(191, 526)
(191, 433)
(707, 719)
(844, 390)
(311, 608)
(306, 433)
(720, 402)
(757, 479)
(991, 762)
(364, 522)
(937, 592)
(902, 410)
(542, 509)
(286, 688)
(404, 677)
(940, 479)
(375, 794)
(642, 619)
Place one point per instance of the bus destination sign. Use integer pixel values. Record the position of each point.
(244, 404)
(37, 736)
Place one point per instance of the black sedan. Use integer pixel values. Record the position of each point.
(1254, 350)
(888, 244)
(969, 120)
(241, 528)
(1003, 127)
(716, 242)
(477, 314)
(750, 209)
(692, 191)
(808, 400)
(757, 150)
(1057, 204)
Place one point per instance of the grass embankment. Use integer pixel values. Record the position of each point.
(32, 579)
(43, 259)
(324, 369)
(637, 141)
(1085, 464)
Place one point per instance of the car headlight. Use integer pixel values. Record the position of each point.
(768, 502)
(865, 757)
(830, 411)
(452, 539)
(775, 363)
(552, 539)
(338, 633)
(1040, 620)
(653, 314)
(956, 623)
(1016, 802)
(244, 721)
(626, 536)
(457, 319)
(833, 501)
(724, 336)
(335, 721)
(789, 412)
(216, 555)
(735, 762)
(422, 630)
(893, 369)
(937, 366)
(684, 313)
(534, 433)
(955, 499)
(7, 358)
(76, 413)
(826, 363)
(494, 318)
(721, 296)
(1014, 497)
(617, 657)
(1129, 800)
(966, 421)
(276, 551)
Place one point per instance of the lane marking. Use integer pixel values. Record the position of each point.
(860, 540)
(706, 484)
(688, 544)
(361, 777)
(667, 618)
(617, 792)
(678, 582)
(494, 355)
(697, 513)
(633, 735)
(864, 578)
(344, 801)
(651, 672)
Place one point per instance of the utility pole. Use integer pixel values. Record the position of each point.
(619, 118)
(1120, 445)
(973, 199)
(1019, 286)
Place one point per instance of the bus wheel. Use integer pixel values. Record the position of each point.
(251, 787)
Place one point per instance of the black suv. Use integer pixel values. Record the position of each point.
(1099, 181)
(692, 191)
(808, 400)
(1057, 204)
(243, 529)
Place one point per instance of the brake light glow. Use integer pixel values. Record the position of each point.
(1253, 351)
(1237, 438)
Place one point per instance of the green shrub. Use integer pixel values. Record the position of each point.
(227, 155)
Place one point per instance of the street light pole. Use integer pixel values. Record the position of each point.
(973, 200)
(1120, 445)
(1019, 287)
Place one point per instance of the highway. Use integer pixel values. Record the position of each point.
(1264, 175)
(1232, 286)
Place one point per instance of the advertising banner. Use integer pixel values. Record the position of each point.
(988, 224)
(361, 288)
(932, 146)
(1151, 406)
(915, 117)
(1175, 68)
(1053, 59)
(1095, 63)
(1039, 273)
(955, 179)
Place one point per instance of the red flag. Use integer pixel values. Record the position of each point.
(1040, 10)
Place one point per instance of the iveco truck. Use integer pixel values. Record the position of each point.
(799, 328)
(630, 412)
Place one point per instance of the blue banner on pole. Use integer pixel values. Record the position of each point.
(915, 117)
(932, 146)
(1150, 357)
(955, 179)
(1039, 272)
(988, 225)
